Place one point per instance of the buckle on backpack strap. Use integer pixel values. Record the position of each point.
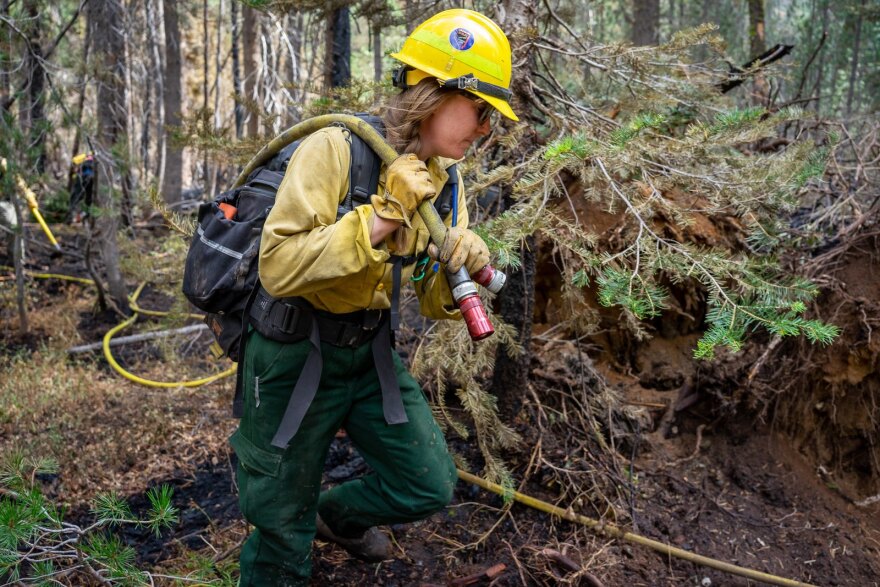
(290, 318)
(349, 335)
(372, 319)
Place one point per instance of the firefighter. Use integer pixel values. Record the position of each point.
(334, 283)
(82, 187)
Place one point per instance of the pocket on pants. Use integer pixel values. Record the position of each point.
(257, 476)
(255, 460)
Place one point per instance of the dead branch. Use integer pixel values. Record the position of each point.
(740, 74)
(490, 573)
(124, 340)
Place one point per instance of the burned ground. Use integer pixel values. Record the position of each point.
(702, 465)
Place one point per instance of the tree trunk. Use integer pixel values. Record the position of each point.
(248, 50)
(516, 304)
(757, 40)
(80, 104)
(36, 116)
(173, 177)
(206, 45)
(411, 14)
(337, 64)
(17, 251)
(5, 86)
(854, 69)
(105, 18)
(218, 88)
(377, 53)
(236, 71)
(646, 22)
(158, 67)
(758, 46)
(517, 300)
(820, 73)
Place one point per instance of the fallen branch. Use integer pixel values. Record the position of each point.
(94, 346)
(611, 530)
(739, 74)
(490, 573)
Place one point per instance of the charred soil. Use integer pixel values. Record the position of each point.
(701, 466)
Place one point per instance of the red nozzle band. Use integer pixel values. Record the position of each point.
(490, 278)
(475, 317)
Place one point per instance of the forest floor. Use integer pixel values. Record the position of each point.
(730, 487)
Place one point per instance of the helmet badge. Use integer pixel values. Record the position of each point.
(461, 39)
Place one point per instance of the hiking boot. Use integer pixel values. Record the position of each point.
(372, 547)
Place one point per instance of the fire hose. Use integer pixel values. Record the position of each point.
(464, 292)
(31, 199)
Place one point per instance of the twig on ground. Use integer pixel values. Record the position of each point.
(490, 573)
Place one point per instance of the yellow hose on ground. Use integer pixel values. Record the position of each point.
(616, 532)
(148, 382)
(125, 324)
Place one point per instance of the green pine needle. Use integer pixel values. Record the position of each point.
(580, 279)
(569, 147)
(645, 120)
(111, 509)
(163, 514)
(735, 120)
(814, 166)
(644, 299)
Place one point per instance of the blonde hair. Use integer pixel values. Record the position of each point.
(405, 112)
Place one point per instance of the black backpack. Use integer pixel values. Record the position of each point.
(221, 275)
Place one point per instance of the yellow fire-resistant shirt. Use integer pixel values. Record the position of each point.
(305, 252)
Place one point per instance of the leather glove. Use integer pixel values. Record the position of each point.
(407, 184)
(461, 247)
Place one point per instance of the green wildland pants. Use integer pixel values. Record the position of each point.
(280, 490)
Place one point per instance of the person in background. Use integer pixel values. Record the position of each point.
(81, 187)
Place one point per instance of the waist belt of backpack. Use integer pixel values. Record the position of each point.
(293, 319)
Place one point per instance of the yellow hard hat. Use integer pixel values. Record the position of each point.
(463, 49)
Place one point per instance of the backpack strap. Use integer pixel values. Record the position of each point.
(447, 202)
(363, 173)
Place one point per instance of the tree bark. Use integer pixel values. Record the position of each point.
(337, 64)
(206, 45)
(517, 300)
(411, 14)
(172, 98)
(820, 73)
(377, 53)
(17, 250)
(758, 46)
(5, 86)
(105, 19)
(646, 22)
(236, 71)
(158, 67)
(516, 305)
(854, 68)
(218, 88)
(248, 50)
(36, 111)
(757, 40)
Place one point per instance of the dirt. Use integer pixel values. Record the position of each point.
(698, 466)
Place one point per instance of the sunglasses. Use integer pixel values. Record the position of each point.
(485, 112)
(484, 109)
